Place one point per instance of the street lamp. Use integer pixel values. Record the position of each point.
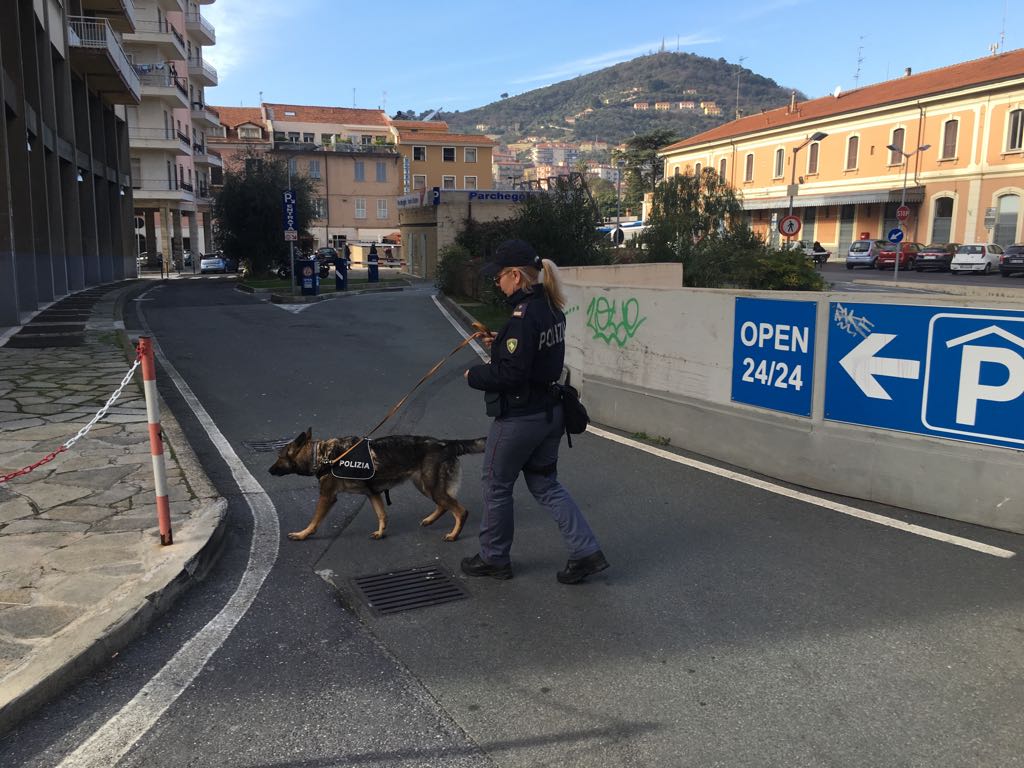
(816, 136)
(618, 190)
(903, 195)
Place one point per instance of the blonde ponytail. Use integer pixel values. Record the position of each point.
(553, 284)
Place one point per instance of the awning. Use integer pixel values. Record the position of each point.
(914, 195)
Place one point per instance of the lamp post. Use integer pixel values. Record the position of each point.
(816, 136)
(618, 190)
(903, 195)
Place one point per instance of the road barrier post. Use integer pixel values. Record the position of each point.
(156, 440)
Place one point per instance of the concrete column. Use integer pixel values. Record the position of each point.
(8, 282)
(207, 232)
(165, 238)
(71, 200)
(193, 237)
(177, 249)
(103, 231)
(90, 237)
(149, 214)
(55, 195)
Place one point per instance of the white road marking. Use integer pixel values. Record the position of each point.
(293, 308)
(114, 738)
(780, 490)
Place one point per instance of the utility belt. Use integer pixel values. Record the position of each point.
(534, 398)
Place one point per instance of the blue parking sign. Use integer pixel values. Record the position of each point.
(773, 354)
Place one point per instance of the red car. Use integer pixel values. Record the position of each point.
(887, 255)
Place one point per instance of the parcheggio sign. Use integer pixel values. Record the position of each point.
(499, 195)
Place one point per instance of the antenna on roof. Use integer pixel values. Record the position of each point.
(739, 70)
(860, 60)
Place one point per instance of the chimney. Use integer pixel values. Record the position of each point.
(906, 72)
(792, 102)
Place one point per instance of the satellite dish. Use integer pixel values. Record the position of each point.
(837, 91)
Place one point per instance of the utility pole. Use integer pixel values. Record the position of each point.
(739, 71)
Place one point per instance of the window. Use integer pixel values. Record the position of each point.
(780, 162)
(360, 207)
(696, 169)
(469, 182)
(319, 208)
(447, 182)
(852, 149)
(248, 132)
(293, 166)
(748, 171)
(382, 170)
(419, 153)
(279, 136)
(895, 158)
(1007, 211)
(1015, 134)
(812, 158)
(360, 171)
(721, 168)
(949, 132)
(293, 136)
(366, 140)
(314, 169)
(307, 138)
(382, 208)
(419, 181)
(448, 154)
(470, 154)
(676, 171)
(942, 220)
(326, 138)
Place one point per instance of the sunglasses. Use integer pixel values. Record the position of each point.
(497, 277)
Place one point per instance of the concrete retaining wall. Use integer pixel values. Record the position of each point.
(659, 361)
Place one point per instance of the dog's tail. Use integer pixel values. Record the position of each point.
(468, 446)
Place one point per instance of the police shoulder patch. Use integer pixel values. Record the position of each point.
(511, 344)
(520, 310)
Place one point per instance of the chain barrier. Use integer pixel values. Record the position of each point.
(82, 432)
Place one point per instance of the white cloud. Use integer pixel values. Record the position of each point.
(245, 30)
(606, 59)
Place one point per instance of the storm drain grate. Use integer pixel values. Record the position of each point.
(266, 446)
(420, 587)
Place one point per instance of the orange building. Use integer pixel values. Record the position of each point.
(949, 141)
(433, 157)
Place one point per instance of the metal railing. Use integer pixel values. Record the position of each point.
(197, 18)
(159, 185)
(150, 133)
(93, 33)
(160, 27)
(209, 71)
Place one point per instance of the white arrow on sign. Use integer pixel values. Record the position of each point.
(862, 365)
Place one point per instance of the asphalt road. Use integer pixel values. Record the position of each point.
(841, 278)
(736, 627)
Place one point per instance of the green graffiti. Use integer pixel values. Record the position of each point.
(610, 323)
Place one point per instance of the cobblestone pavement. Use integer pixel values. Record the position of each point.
(81, 566)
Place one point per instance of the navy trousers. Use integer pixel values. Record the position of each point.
(527, 444)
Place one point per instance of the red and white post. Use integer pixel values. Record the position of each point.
(156, 440)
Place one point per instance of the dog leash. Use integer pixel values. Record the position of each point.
(481, 330)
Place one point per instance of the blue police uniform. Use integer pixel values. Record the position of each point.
(527, 356)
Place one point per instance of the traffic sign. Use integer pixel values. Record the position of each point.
(903, 213)
(790, 225)
(289, 214)
(773, 354)
(946, 372)
(895, 235)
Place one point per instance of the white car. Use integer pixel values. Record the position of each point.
(976, 257)
(212, 262)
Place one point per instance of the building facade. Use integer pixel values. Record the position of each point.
(170, 159)
(65, 185)
(949, 142)
(434, 157)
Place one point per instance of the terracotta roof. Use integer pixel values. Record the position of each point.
(342, 115)
(987, 70)
(432, 126)
(232, 117)
(448, 139)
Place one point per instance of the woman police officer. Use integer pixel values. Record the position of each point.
(527, 355)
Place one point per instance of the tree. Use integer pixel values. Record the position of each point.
(643, 168)
(248, 213)
(561, 224)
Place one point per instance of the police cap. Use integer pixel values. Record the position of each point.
(511, 253)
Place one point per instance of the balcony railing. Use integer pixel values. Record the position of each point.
(197, 19)
(96, 34)
(207, 70)
(159, 185)
(151, 133)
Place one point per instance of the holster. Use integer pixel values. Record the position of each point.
(492, 401)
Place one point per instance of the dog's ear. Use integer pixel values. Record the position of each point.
(303, 437)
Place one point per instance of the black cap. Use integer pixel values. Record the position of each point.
(511, 253)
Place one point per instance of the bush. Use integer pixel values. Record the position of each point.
(451, 268)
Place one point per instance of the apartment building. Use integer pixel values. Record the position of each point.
(434, 157)
(170, 160)
(65, 189)
(949, 141)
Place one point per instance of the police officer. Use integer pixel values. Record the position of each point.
(527, 355)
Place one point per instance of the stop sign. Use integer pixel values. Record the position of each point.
(903, 213)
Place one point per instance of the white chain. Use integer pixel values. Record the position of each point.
(105, 408)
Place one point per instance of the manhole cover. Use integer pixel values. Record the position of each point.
(420, 587)
(266, 446)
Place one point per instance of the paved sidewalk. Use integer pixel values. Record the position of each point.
(82, 571)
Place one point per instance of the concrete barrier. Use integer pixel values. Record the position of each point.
(659, 360)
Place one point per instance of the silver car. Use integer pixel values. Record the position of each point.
(863, 253)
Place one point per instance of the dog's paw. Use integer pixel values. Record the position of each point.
(451, 536)
(377, 535)
(298, 535)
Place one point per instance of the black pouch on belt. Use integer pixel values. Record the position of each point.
(493, 402)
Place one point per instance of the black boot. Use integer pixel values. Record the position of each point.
(477, 566)
(577, 570)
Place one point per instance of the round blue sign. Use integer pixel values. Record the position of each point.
(895, 235)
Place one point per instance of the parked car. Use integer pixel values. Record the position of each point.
(818, 255)
(150, 260)
(186, 258)
(907, 255)
(863, 253)
(212, 262)
(976, 257)
(936, 256)
(1012, 260)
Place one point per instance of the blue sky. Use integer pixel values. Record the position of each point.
(458, 55)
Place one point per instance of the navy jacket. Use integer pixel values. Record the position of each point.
(526, 356)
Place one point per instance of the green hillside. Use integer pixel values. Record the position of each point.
(602, 102)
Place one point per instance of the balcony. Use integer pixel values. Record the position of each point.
(203, 156)
(160, 35)
(160, 84)
(96, 52)
(199, 29)
(156, 191)
(155, 139)
(120, 13)
(203, 114)
(202, 73)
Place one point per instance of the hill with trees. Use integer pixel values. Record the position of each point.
(599, 105)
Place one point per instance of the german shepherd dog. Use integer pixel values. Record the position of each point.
(431, 464)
